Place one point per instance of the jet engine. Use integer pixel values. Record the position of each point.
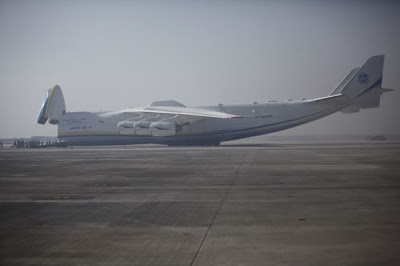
(147, 128)
(163, 129)
(126, 128)
(142, 128)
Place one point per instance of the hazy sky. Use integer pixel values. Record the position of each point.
(109, 55)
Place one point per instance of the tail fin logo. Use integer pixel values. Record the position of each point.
(363, 78)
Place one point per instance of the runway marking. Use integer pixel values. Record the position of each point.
(61, 197)
(217, 212)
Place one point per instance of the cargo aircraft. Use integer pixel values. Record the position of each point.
(172, 123)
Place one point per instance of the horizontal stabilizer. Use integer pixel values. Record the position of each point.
(371, 99)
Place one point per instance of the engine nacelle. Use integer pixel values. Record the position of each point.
(163, 129)
(142, 128)
(126, 128)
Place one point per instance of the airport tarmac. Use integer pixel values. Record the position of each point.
(250, 204)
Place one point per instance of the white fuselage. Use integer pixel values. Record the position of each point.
(85, 128)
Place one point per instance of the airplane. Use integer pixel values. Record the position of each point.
(172, 123)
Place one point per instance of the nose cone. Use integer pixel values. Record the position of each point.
(53, 107)
(42, 119)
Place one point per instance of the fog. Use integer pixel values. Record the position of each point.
(109, 55)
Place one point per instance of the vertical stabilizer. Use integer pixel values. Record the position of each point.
(364, 89)
(344, 82)
(367, 78)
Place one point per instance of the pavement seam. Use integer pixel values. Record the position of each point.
(217, 212)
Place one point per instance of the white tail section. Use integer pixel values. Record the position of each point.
(53, 107)
(364, 87)
(368, 77)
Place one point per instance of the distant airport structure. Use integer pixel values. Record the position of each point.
(172, 123)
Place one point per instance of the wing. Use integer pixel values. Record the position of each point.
(165, 120)
(183, 111)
